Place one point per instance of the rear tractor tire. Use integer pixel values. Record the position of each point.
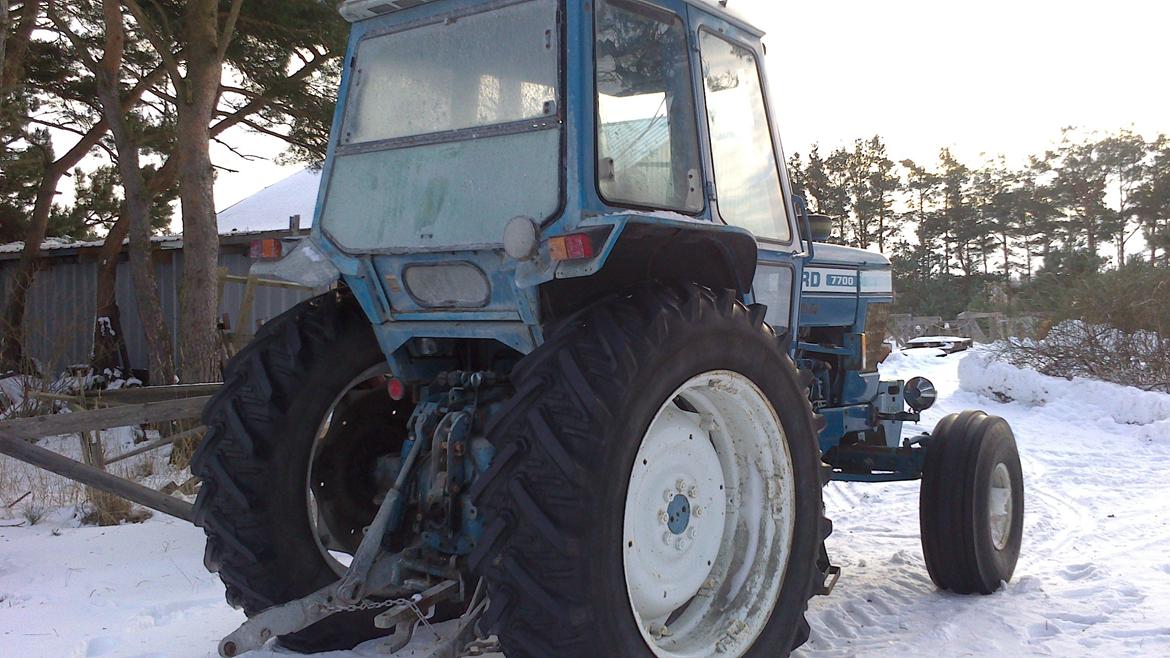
(656, 487)
(971, 505)
(288, 463)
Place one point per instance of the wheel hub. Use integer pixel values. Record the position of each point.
(677, 479)
(678, 514)
(999, 507)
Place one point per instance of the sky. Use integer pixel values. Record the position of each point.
(993, 77)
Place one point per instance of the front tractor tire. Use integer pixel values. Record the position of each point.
(971, 504)
(656, 488)
(287, 463)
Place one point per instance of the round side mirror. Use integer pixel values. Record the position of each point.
(920, 393)
(821, 227)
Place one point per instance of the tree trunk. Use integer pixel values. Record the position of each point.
(138, 202)
(5, 21)
(196, 102)
(16, 47)
(13, 356)
(109, 344)
(1007, 265)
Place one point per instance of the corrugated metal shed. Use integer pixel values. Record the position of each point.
(61, 305)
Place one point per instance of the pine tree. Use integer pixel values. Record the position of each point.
(923, 189)
(1152, 201)
(796, 177)
(883, 183)
(835, 201)
(1124, 157)
(997, 215)
(1079, 190)
(955, 214)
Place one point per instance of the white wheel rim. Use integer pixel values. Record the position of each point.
(709, 519)
(999, 506)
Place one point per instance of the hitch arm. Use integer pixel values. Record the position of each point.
(353, 585)
(301, 613)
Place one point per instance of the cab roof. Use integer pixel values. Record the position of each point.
(356, 10)
(721, 10)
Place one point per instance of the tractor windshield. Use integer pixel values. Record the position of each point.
(451, 128)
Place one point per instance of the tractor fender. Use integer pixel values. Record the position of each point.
(632, 247)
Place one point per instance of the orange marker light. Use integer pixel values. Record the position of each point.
(268, 249)
(570, 247)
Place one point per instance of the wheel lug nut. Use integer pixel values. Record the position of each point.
(681, 485)
(690, 533)
(697, 511)
(666, 537)
(667, 496)
(692, 492)
(662, 517)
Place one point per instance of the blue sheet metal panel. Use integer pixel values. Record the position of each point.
(827, 310)
(860, 387)
(840, 421)
(878, 464)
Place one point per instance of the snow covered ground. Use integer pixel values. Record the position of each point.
(1094, 577)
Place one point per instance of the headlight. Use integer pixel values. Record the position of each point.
(920, 393)
(449, 285)
(877, 281)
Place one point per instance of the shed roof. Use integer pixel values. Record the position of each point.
(266, 211)
(270, 208)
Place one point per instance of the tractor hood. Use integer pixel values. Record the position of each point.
(840, 256)
(838, 270)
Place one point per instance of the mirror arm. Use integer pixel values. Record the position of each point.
(802, 210)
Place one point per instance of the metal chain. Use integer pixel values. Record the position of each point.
(366, 604)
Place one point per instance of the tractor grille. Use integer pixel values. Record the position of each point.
(876, 320)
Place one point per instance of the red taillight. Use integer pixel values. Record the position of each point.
(396, 389)
(570, 247)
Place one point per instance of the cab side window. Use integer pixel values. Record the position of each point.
(647, 135)
(747, 178)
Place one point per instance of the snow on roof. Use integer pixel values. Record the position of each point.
(266, 210)
(270, 208)
(55, 244)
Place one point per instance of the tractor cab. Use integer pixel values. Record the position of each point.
(511, 161)
(583, 367)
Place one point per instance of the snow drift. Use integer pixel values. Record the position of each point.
(981, 373)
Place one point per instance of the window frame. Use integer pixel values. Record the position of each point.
(337, 149)
(776, 153)
(651, 9)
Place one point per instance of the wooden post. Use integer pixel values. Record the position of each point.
(88, 475)
(244, 321)
(109, 509)
(222, 278)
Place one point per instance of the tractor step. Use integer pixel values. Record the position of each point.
(832, 575)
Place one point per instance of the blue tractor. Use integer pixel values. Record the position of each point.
(585, 363)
